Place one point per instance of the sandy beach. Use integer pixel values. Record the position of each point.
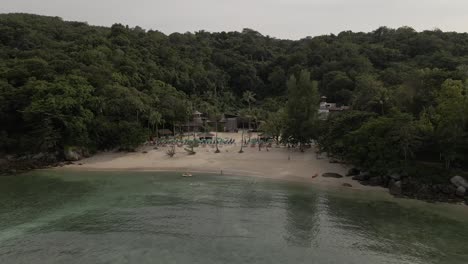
(276, 163)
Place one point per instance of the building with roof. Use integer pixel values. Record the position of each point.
(326, 108)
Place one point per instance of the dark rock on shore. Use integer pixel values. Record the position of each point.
(353, 172)
(376, 181)
(363, 176)
(461, 191)
(400, 184)
(395, 176)
(347, 185)
(75, 153)
(332, 175)
(18, 164)
(459, 181)
(446, 189)
(395, 187)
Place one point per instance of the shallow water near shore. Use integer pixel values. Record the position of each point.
(149, 217)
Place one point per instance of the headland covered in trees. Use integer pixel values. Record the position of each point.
(68, 85)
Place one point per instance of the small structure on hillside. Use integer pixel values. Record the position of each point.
(197, 123)
(326, 108)
(231, 123)
(234, 123)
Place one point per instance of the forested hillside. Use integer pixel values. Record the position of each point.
(72, 84)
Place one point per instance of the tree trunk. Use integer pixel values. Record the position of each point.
(216, 137)
(242, 139)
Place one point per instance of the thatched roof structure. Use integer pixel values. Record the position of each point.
(165, 132)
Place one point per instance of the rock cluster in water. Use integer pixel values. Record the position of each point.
(12, 164)
(404, 186)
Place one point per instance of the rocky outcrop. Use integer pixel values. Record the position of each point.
(459, 181)
(375, 181)
(400, 184)
(446, 189)
(17, 164)
(363, 176)
(395, 187)
(75, 153)
(72, 155)
(395, 176)
(353, 172)
(461, 191)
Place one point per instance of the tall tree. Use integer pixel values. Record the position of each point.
(452, 105)
(301, 109)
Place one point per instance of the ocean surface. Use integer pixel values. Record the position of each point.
(144, 217)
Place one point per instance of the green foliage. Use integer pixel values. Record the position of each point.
(171, 151)
(275, 124)
(68, 83)
(383, 143)
(452, 120)
(130, 136)
(301, 109)
(333, 132)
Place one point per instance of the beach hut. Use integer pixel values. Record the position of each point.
(197, 123)
(165, 132)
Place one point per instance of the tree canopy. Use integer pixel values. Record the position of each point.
(68, 83)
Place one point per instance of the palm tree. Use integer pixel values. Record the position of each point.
(154, 119)
(249, 98)
(215, 112)
(242, 114)
(242, 142)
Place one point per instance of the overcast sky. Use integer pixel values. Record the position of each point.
(292, 19)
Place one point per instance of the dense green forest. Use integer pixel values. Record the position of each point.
(71, 84)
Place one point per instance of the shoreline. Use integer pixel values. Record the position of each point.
(276, 163)
(217, 173)
(380, 192)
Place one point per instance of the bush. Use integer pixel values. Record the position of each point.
(190, 151)
(171, 151)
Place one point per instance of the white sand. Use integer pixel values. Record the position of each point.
(277, 163)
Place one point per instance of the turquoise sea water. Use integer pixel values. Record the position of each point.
(143, 217)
